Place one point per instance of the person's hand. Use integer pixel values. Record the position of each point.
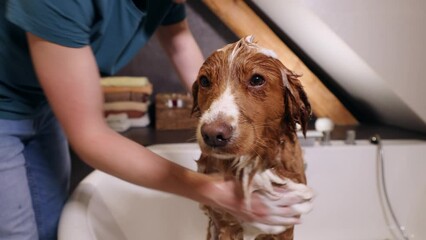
(284, 207)
(266, 208)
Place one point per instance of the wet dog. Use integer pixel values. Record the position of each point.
(248, 104)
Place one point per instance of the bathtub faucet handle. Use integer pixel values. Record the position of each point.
(350, 137)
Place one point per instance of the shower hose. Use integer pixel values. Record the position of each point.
(384, 197)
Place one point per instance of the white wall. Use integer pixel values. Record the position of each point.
(375, 50)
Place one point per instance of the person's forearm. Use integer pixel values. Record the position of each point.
(180, 46)
(108, 151)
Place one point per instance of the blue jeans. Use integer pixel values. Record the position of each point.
(34, 177)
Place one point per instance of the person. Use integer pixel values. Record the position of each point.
(52, 54)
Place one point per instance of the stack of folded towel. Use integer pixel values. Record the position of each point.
(126, 102)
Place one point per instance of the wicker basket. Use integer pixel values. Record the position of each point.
(173, 111)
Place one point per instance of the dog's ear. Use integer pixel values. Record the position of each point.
(195, 108)
(297, 106)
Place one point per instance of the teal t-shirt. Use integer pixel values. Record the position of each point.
(115, 30)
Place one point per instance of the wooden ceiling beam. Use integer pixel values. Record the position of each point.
(243, 21)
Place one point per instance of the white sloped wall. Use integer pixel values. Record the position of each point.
(375, 50)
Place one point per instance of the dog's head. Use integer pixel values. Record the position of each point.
(245, 97)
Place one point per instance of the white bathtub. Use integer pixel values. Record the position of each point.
(347, 206)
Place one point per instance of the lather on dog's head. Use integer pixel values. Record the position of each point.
(246, 100)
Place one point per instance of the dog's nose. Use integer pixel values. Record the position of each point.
(216, 134)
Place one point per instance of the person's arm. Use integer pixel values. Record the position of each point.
(181, 47)
(70, 80)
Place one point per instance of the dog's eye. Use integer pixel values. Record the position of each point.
(204, 82)
(257, 80)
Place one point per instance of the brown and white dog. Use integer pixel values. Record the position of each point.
(248, 104)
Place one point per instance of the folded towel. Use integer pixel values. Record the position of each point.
(126, 101)
(121, 122)
(129, 113)
(126, 96)
(128, 106)
(118, 122)
(140, 122)
(145, 89)
(126, 84)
